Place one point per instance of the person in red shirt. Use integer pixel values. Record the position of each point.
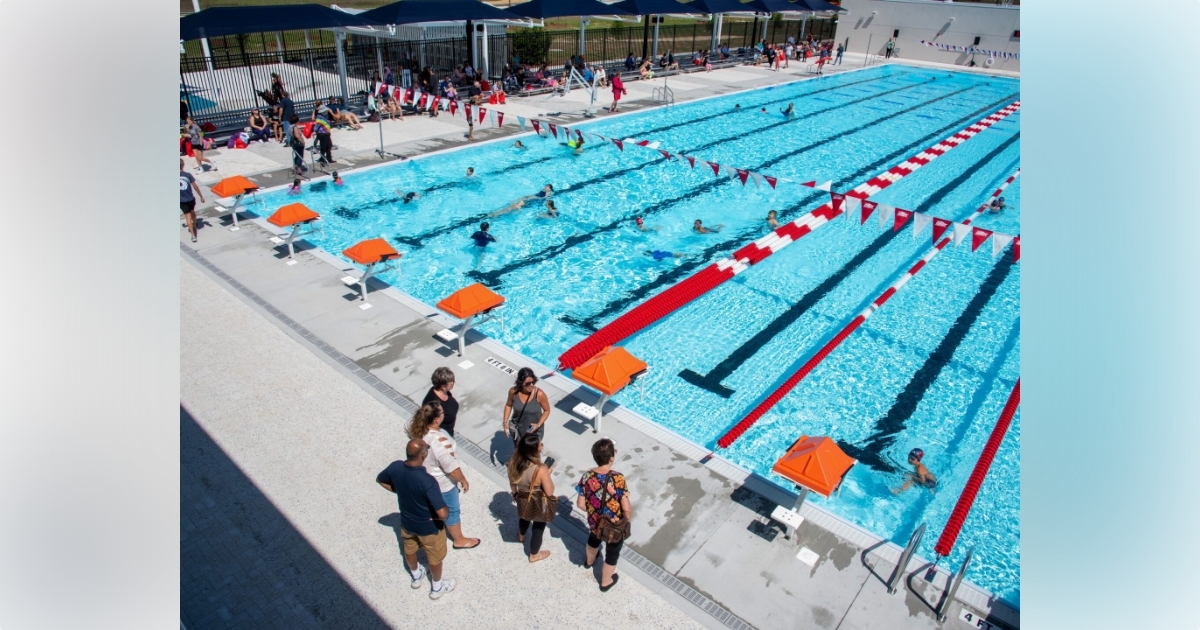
(618, 89)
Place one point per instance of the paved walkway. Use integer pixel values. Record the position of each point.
(301, 451)
(283, 525)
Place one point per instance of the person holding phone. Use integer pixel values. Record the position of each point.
(533, 489)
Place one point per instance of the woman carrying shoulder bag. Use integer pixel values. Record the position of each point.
(533, 490)
(527, 408)
(604, 494)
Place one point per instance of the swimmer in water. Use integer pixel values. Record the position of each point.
(470, 171)
(658, 254)
(481, 236)
(737, 106)
(518, 145)
(337, 179)
(545, 192)
(551, 211)
(699, 228)
(512, 207)
(997, 205)
(763, 110)
(411, 197)
(790, 111)
(579, 145)
(294, 189)
(772, 220)
(920, 475)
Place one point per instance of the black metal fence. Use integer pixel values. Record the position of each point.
(223, 87)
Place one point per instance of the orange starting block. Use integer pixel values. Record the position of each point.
(230, 192)
(466, 304)
(295, 216)
(610, 371)
(369, 253)
(815, 464)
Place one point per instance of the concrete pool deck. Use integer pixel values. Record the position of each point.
(702, 539)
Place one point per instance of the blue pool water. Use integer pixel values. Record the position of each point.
(932, 369)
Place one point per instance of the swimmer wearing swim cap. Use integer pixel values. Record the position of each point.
(920, 475)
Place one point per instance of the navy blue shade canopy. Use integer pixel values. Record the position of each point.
(417, 11)
(657, 7)
(219, 21)
(723, 6)
(565, 8)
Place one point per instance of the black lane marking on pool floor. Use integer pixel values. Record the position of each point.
(762, 104)
(590, 323)
(892, 423)
(731, 363)
(353, 213)
(492, 278)
(420, 239)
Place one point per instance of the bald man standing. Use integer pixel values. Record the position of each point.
(422, 512)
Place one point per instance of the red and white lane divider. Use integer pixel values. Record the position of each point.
(722, 270)
(741, 427)
(765, 406)
(966, 500)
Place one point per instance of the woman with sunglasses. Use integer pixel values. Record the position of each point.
(532, 408)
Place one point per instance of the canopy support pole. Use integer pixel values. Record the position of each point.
(207, 54)
(339, 38)
(379, 56)
(766, 21)
(803, 22)
(718, 22)
(657, 19)
(600, 412)
(583, 22)
(483, 70)
(279, 47)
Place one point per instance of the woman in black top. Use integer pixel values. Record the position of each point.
(443, 382)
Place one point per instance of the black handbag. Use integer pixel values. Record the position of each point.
(535, 505)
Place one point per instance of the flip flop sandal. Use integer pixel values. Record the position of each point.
(478, 541)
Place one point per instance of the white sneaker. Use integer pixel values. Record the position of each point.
(418, 582)
(447, 586)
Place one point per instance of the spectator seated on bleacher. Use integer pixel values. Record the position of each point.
(601, 77)
(258, 127)
(645, 70)
(342, 115)
(630, 64)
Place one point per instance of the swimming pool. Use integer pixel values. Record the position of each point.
(931, 369)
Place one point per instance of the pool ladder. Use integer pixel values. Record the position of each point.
(663, 94)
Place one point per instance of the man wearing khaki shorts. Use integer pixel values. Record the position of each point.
(422, 511)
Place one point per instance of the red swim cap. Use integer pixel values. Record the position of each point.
(639, 220)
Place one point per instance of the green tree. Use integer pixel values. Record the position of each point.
(532, 45)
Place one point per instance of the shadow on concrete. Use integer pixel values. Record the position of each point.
(241, 562)
(504, 510)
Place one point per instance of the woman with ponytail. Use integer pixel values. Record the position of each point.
(441, 461)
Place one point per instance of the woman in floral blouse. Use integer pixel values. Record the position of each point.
(604, 494)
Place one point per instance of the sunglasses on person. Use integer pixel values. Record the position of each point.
(529, 383)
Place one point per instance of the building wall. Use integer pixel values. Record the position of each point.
(930, 20)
